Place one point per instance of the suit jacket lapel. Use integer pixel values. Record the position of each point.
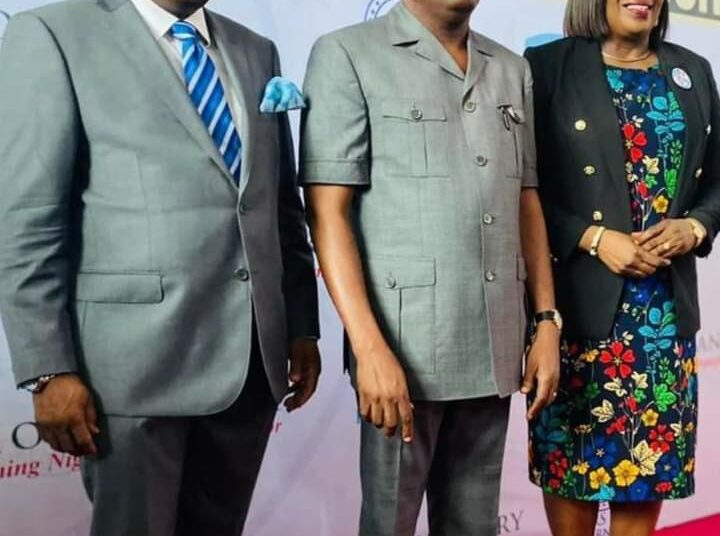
(136, 41)
(589, 83)
(690, 106)
(478, 55)
(406, 30)
(234, 53)
(430, 49)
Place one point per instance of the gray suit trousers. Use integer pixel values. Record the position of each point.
(181, 476)
(456, 458)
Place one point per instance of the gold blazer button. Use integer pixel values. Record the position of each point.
(581, 125)
(590, 171)
(598, 216)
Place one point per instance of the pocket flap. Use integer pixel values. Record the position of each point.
(104, 287)
(413, 110)
(399, 273)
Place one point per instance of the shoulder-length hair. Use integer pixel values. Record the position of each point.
(588, 18)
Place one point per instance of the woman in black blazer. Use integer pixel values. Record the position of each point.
(628, 133)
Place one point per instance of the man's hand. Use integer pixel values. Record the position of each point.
(66, 416)
(384, 396)
(543, 368)
(669, 238)
(305, 370)
(623, 256)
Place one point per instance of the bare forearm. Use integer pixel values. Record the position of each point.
(536, 250)
(340, 263)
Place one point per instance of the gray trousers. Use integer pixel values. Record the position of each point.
(456, 458)
(181, 476)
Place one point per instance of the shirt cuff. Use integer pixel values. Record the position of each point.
(339, 172)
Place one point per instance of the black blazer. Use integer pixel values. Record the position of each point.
(581, 162)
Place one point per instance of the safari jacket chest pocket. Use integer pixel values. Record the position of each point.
(511, 125)
(416, 138)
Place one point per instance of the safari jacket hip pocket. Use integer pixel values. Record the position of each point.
(415, 138)
(402, 292)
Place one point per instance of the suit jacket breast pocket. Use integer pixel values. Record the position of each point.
(416, 138)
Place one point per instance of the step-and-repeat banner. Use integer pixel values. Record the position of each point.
(309, 483)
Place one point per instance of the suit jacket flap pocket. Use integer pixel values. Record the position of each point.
(119, 288)
(399, 273)
(413, 110)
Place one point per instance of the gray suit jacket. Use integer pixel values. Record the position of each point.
(128, 254)
(439, 169)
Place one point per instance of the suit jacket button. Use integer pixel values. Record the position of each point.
(242, 274)
(416, 114)
(490, 276)
(708, 130)
(699, 173)
(390, 282)
(598, 216)
(581, 125)
(481, 161)
(488, 219)
(590, 171)
(242, 208)
(470, 107)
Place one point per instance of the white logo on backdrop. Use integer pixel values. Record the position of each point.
(378, 8)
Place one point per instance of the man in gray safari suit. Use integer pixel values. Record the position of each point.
(155, 271)
(418, 159)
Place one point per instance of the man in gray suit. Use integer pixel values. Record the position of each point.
(418, 158)
(154, 265)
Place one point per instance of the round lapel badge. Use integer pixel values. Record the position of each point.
(682, 78)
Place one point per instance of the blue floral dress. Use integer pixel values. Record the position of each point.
(623, 427)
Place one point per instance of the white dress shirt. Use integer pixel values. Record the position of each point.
(160, 22)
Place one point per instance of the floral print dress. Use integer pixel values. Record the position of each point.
(624, 424)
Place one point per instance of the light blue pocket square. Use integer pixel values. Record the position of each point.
(281, 95)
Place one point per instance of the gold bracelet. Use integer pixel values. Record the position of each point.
(698, 230)
(596, 241)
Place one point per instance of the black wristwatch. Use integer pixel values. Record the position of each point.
(553, 315)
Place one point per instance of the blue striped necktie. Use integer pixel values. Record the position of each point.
(207, 94)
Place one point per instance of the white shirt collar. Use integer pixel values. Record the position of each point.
(160, 21)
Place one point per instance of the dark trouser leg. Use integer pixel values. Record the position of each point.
(394, 474)
(464, 484)
(222, 461)
(135, 481)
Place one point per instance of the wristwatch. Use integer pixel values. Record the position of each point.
(553, 315)
(37, 385)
